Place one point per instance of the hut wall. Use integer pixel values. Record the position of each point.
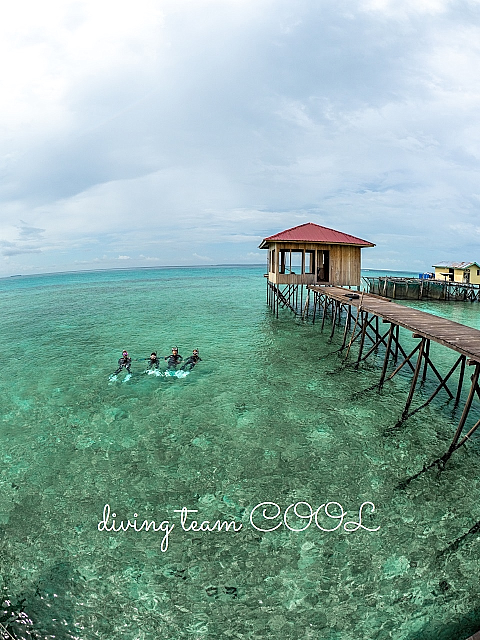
(475, 274)
(458, 274)
(344, 268)
(439, 271)
(345, 265)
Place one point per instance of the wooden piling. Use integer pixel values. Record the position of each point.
(387, 355)
(414, 379)
(466, 409)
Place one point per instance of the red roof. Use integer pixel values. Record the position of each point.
(311, 232)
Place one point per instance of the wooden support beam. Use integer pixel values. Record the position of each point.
(280, 296)
(347, 326)
(460, 381)
(353, 334)
(433, 368)
(306, 307)
(373, 327)
(324, 310)
(335, 311)
(414, 379)
(467, 436)
(397, 343)
(362, 338)
(437, 390)
(407, 359)
(425, 367)
(387, 355)
(381, 339)
(466, 410)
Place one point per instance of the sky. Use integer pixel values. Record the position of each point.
(182, 132)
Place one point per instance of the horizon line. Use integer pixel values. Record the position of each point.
(191, 266)
(132, 268)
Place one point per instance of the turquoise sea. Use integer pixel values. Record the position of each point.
(270, 415)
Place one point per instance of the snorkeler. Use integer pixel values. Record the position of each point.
(154, 362)
(173, 359)
(125, 362)
(191, 361)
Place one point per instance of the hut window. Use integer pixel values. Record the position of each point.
(296, 262)
(290, 261)
(309, 262)
(478, 272)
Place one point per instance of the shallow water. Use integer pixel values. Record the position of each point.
(270, 414)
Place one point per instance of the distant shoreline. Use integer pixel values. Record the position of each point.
(159, 267)
(183, 266)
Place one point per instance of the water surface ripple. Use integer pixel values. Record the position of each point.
(268, 415)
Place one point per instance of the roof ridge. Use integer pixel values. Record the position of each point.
(336, 237)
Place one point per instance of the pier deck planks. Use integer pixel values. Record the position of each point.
(456, 336)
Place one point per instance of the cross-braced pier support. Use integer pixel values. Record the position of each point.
(373, 324)
(288, 296)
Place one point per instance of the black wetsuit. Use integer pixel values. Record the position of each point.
(153, 363)
(124, 363)
(191, 362)
(173, 360)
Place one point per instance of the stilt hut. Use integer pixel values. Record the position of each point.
(465, 272)
(310, 254)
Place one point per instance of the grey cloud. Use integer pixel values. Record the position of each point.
(257, 118)
(16, 250)
(27, 243)
(30, 233)
(217, 104)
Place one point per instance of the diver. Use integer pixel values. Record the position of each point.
(125, 362)
(153, 362)
(191, 361)
(173, 359)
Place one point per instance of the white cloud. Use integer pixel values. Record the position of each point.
(150, 259)
(406, 8)
(202, 258)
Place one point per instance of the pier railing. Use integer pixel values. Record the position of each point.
(399, 288)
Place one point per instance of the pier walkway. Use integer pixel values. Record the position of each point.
(456, 336)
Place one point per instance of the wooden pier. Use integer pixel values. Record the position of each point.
(462, 339)
(364, 316)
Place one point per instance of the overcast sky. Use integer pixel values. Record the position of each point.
(174, 132)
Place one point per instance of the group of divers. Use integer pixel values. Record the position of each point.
(174, 364)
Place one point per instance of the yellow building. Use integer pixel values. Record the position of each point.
(312, 254)
(464, 272)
